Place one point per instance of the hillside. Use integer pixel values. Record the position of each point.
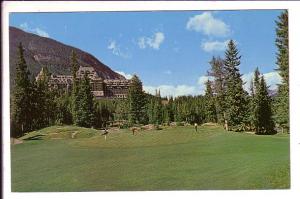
(41, 51)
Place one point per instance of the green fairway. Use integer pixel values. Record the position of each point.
(175, 158)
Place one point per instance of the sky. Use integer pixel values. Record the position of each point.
(168, 50)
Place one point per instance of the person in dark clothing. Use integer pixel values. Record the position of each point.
(105, 133)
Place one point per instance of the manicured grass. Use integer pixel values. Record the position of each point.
(175, 158)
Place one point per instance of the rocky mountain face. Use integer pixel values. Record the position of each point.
(41, 51)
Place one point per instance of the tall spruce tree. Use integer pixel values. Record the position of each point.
(44, 100)
(150, 110)
(255, 102)
(235, 95)
(170, 107)
(75, 86)
(282, 99)
(137, 102)
(157, 111)
(265, 123)
(85, 113)
(22, 98)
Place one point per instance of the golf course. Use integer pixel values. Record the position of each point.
(70, 158)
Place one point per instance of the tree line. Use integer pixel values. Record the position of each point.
(34, 105)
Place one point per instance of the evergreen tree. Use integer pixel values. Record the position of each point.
(235, 95)
(264, 124)
(256, 104)
(137, 102)
(44, 105)
(75, 87)
(166, 114)
(157, 111)
(22, 98)
(282, 43)
(85, 114)
(170, 108)
(150, 110)
(211, 115)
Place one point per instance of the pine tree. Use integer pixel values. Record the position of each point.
(137, 102)
(22, 98)
(44, 105)
(150, 110)
(211, 114)
(255, 102)
(282, 99)
(282, 43)
(235, 95)
(75, 87)
(85, 114)
(166, 114)
(170, 108)
(157, 111)
(265, 124)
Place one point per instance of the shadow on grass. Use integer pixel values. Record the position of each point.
(36, 137)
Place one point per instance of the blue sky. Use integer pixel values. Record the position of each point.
(170, 50)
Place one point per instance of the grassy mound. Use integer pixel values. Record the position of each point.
(60, 132)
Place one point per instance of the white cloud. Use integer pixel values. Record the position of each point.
(210, 46)
(24, 26)
(208, 25)
(152, 42)
(127, 76)
(116, 49)
(142, 42)
(38, 31)
(170, 90)
(112, 46)
(156, 41)
(272, 80)
(41, 32)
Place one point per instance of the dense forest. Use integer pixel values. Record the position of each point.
(34, 105)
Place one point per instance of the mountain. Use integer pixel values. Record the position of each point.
(42, 51)
(273, 93)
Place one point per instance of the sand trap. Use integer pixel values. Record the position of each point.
(15, 141)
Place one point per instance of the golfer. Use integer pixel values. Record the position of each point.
(105, 133)
(196, 126)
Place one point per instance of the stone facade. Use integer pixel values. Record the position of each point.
(101, 88)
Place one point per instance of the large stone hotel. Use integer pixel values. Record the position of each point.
(101, 88)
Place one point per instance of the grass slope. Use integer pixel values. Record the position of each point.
(170, 159)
